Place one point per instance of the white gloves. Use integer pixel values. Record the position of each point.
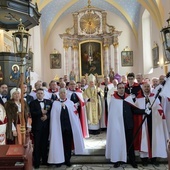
(77, 104)
(147, 111)
(148, 106)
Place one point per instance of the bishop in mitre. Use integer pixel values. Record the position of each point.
(93, 96)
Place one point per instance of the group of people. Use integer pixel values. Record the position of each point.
(60, 116)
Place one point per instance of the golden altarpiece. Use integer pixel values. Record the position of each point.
(90, 39)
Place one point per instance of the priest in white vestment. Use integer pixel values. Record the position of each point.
(65, 131)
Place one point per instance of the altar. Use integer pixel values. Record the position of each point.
(93, 44)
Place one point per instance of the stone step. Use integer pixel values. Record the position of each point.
(97, 156)
(96, 159)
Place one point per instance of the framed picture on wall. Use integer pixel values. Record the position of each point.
(155, 56)
(55, 61)
(127, 58)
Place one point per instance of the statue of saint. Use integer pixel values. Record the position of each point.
(111, 74)
(72, 76)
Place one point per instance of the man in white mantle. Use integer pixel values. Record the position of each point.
(65, 129)
(76, 96)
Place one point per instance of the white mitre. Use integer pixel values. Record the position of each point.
(92, 78)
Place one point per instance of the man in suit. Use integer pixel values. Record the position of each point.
(3, 94)
(40, 113)
(28, 98)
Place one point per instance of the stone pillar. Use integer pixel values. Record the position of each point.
(65, 60)
(116, 61)
(75, 61)
(106, 60)
(106, 55)
(65, 46)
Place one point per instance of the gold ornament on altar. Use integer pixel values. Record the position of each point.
(90, 21)
(56, 78)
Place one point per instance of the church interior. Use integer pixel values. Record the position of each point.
(122, 26)
(82, 37)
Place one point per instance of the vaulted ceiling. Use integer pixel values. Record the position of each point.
(129, 10)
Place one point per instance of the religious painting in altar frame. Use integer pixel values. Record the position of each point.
(91, 58)
(127, 58)
(55, 61)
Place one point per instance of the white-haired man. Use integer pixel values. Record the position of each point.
(93, 96)
(65, 129)
(37, 86)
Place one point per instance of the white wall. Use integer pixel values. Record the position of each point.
(127, 38)
(155, 37)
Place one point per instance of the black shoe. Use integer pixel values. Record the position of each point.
(45, 163)
(68, 163)
(155, 163)
(36, 166)
(134, 165)
(58, 165)
(144, 164)
(116, 165)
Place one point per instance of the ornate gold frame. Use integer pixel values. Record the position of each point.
(84, 63)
